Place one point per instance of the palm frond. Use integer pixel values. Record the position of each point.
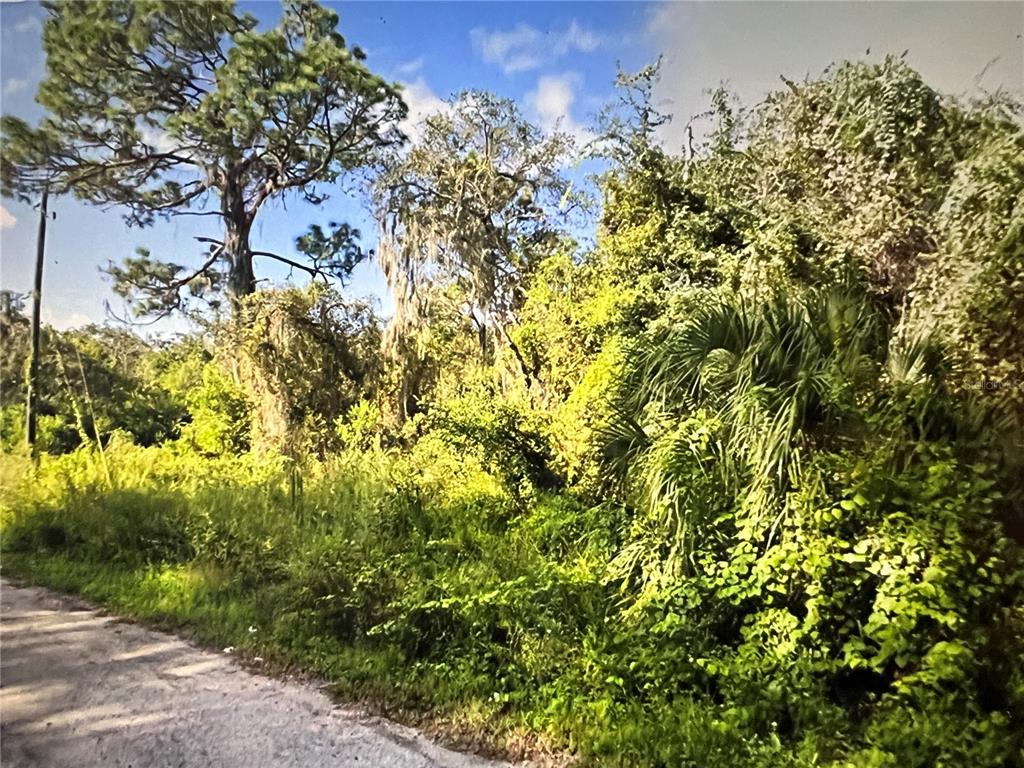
(766, 376)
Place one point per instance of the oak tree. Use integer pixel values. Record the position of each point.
(479, 199)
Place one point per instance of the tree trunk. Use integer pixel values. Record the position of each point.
(530, 377)
(237, 222)
(241, 278)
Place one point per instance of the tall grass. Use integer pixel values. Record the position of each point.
(418, 581)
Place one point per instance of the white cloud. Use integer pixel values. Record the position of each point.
(552, 102)
(7, 219)
(64, 319)
(523, 47)
(576, 38)
(75, 320)
(516, 50)
(748, 45)
(422, 102)
(28, 24)
(409, 68)
(14, 85)
(157, 138)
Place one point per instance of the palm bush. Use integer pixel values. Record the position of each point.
(720, 414)
(729, 401)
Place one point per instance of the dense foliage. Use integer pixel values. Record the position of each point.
(739, 485)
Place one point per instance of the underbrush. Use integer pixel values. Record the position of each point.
(418, 581)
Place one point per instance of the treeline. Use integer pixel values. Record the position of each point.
(739, 482)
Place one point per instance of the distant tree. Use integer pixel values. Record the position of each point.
(93, 381)
(476, 203)
(14, 345)
(627, 127)
(157, 105)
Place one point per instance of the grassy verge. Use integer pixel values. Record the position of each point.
(419, 586)
(200, 604)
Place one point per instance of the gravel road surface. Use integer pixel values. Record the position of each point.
(81, 689)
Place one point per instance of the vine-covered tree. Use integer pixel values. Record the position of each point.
(160, 106)
(476, 204)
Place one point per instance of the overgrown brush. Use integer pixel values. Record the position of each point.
(741, 486)
(887, 606)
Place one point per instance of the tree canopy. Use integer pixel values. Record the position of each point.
(475, 204)
(170, 108)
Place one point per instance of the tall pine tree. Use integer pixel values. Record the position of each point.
(171, 108)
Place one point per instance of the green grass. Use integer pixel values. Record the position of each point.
(199, 604)
(419, 585)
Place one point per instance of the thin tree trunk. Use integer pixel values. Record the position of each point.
(32, 400)
(529, 377)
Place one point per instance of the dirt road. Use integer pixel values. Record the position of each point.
(79, 689)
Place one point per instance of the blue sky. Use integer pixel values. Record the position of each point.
(557, 60)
